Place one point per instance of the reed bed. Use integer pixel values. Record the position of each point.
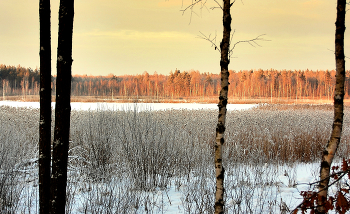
(130, 161)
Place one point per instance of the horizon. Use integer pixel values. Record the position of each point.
(121, 38)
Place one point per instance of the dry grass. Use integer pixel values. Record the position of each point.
(120, 160)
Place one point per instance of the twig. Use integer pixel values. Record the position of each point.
(212, 8)
(252, 42)
(212, 41)
(334, 52)
(191, 6)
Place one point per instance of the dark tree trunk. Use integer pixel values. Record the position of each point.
(220, 128)
(62, 111)
(332, 146)
(45, 106)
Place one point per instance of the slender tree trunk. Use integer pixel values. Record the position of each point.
(332, 146)
(220, 128)
(62, 111)
(45, 106)
(3, 89)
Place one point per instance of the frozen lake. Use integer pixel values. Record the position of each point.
(130, 106)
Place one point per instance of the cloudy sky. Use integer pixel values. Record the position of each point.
(130, 37)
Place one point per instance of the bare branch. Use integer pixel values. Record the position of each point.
(230, 52)
(252, 42)
(212, 8)
(211, 40)
(192, 5)
(233, 33)
(334, 53)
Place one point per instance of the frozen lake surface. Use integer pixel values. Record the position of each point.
(131, 106)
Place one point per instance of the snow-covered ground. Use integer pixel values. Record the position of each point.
(282, 195)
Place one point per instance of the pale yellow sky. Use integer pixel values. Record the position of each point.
(130, 37)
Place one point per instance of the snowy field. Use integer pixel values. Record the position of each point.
(126, 159)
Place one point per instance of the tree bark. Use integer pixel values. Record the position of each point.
(332, 145)
(45, 106)
(62, 111)
(220, 128)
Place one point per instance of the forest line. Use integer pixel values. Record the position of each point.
(247, 84)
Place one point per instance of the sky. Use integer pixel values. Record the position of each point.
(130, 37)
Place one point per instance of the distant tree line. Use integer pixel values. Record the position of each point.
(19, 80)
(245, 84)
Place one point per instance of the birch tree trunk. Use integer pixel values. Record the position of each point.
(220, 128)
(331, 148)
(62, 111)
(45, 106)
